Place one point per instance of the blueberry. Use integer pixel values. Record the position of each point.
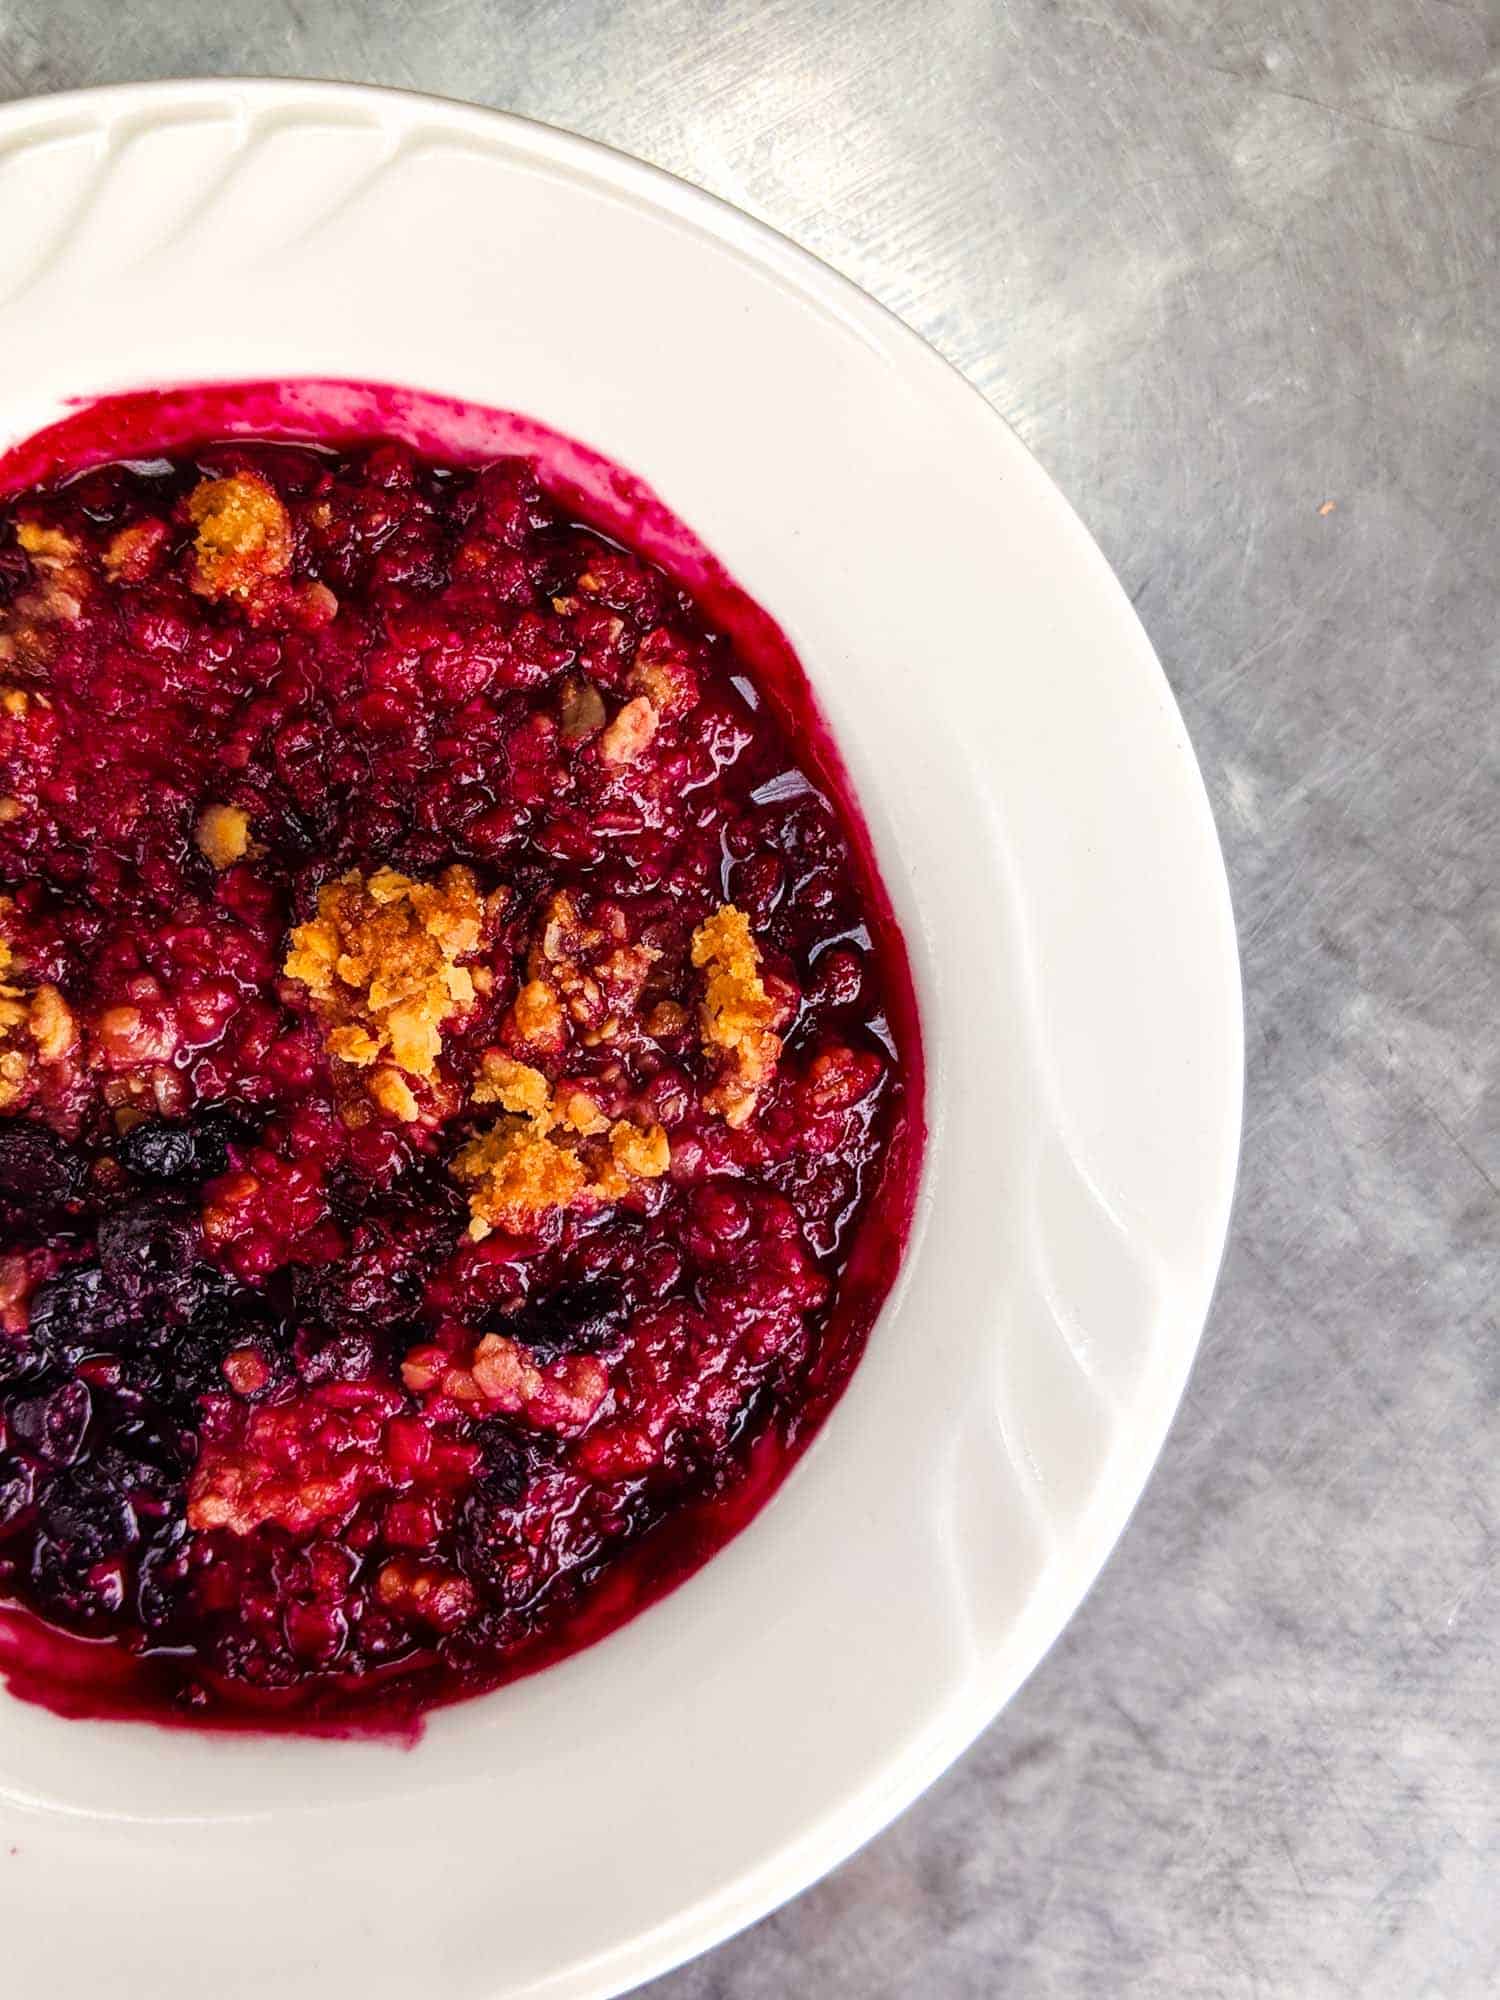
(148, 1249)
(52, 1426)
(346, 1356)
(370, 1290)
(75, 1312)
(39, 1173)
(87, 1519)
(504, 1467)
(578, 1318)
(158, 1588)
(159, 1151)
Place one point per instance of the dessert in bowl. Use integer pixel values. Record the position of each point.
(459, 1084)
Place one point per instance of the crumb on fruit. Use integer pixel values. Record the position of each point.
(381, 962)
(222, 835)
(514, 1086)
(645, 1155)
(527, 1164)
(516, 1174)
(737, 1012)
(583, 712)
(536, 1017)
(244, 535)
(501, 1376)
(36, 1027)
(630, 734)
(48, 547)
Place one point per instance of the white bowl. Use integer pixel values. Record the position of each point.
(1047, 843)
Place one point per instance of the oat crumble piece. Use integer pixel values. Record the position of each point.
(536, 1017)
(36, 1027)
(514, 1086)
(50, 548)
(583, 712)
(222, 835)
(381, 962)
(501, 1375)
(630, 734)
(526, 1165)
(737, 1012)
(244, 535)
(516, 1175)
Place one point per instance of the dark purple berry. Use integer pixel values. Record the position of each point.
(88, 1521)
(52, 1426)
(194, 1152)
(148, 1250)
(39, 1173)
(578, 1318)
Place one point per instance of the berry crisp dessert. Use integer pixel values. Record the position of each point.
(459, 1087)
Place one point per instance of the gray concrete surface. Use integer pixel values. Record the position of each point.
(1231, 273)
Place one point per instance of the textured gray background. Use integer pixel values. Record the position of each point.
(1230, 270)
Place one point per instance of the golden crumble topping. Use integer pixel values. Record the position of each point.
(222, 835)
(737, 1012)
(36, 1027)
(131, 552)
(517, 1174)
(381, 961)
(244, 535)
(514, 1086)
(49, 548)
(527, 1163)
(55, 597)
(536, 1017)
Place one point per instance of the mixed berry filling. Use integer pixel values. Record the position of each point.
(448, 1057)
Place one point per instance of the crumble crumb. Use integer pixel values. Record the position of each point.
(516, 1175)
(131, 553)
(583, 712)
(501, 1375)
(525, 1166)
(36, 1027)
(222, 835)
(48, 547)
(536, 1017)
(643, 1155)
(393, 1093)
(737, 1012)
(380, 961)
(514, 1086)
(244, 535)
(630, 734)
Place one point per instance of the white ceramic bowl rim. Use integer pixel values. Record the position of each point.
(1048, 846)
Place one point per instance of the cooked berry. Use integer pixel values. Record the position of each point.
(51, 1426)
(577, 1318)
(161, 1151)
(39, 1173)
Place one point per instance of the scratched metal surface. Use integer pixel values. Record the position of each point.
(1231, 273)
